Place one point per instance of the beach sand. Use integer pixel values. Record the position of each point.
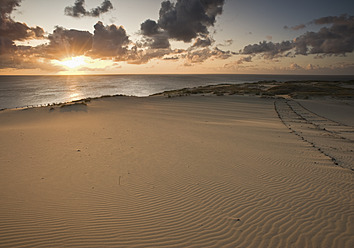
(197, 171)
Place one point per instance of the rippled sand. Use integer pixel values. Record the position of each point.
(197, 171)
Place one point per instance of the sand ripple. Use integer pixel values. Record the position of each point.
(180, 172)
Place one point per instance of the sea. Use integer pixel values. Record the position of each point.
(33, 91)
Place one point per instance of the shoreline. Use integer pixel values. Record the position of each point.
(264, 88)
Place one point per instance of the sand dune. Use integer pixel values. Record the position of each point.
(330, 137)
(175, 172)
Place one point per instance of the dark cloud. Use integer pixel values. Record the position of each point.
(20, 31)
(26, 57)
(149, 28)
(337, 39)
(343, 19)
(154, 37)
(184, 20)
(243, 60)
(158, 41)
(269, 49)
(64, 42)
(12, 30)
(12, 56)
(6, 7)
(105, 7)
(109, 41)
(79, 10)
(200, 42)
(6, 45)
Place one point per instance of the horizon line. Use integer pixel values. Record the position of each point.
(181, 74)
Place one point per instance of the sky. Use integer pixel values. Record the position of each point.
(176, 36)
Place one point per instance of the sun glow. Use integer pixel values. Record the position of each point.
(83, 65)
(72, 62)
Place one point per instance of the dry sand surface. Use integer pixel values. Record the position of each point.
(177, 172)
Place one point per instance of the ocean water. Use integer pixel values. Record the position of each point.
(23, 91)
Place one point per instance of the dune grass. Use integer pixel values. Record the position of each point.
(294, 89)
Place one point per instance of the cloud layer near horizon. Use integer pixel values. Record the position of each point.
(337, 39)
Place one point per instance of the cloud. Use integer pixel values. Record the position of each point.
(139, 56)
(342, 19)
(158, 41)
(12, 56)
(109, 41)
(341, 67)
(203, 42)
(67, 43)
(297, 27)
(154, 37)
(295, 67)
(185, 19)
(79, 10)
(62, 43)
(268, 49)
(105, 7)
(337, 39)
(6, 45)
(190, 55)
(199, 56)
(243, 60)
(26, 57)
(11, 30)
(149, 28)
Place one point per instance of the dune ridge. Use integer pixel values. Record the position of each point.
(169, 172)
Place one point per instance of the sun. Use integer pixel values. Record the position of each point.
(73, 62)
(80, 65)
